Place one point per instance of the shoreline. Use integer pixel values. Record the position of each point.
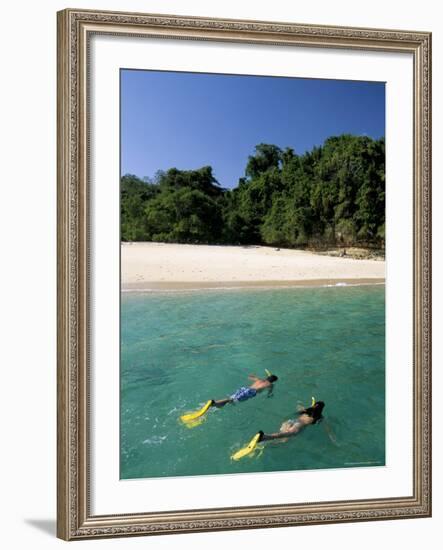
(160, 266)
(184, 286)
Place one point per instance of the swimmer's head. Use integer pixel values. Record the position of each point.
(272, 378)
(314, 411)
(317, 410)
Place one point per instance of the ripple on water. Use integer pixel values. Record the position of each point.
(180, 350)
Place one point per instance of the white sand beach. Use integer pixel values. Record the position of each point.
(152, 266)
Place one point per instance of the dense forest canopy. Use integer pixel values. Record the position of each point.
(332, 195)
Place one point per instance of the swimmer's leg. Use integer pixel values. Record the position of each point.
(283, 436)
(221, 402)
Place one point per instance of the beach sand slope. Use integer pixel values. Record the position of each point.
(151, 266)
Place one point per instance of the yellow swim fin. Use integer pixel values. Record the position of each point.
(194, 423)
(189, 417)
(250, 447)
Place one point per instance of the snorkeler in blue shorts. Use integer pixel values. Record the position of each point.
(244, 393)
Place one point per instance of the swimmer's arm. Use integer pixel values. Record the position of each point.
(328, 430)
(271, 389)
(253, 377)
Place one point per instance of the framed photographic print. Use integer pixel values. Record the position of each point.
(244, 291)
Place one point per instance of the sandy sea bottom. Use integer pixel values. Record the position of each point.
(179, 349)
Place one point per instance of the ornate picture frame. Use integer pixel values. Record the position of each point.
(74, 517)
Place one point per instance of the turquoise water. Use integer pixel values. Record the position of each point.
(180, 349)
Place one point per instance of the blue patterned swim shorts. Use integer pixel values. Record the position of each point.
(243, 393)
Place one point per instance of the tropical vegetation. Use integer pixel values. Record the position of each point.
(331, 195)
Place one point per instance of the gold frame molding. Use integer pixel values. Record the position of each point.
(74, 519)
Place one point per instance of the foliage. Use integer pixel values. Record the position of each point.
(334, 194)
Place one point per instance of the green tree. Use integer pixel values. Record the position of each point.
(333, 194)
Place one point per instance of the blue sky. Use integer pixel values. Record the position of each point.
(189, 120)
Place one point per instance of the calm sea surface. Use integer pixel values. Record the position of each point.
(180, 349)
